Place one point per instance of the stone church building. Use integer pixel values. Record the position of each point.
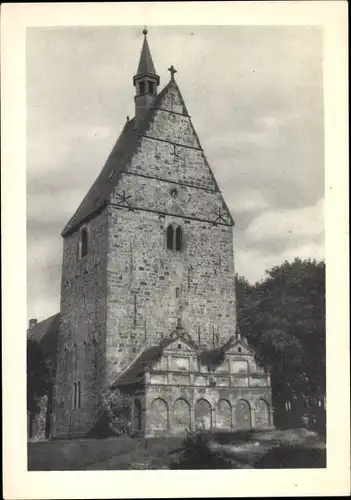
(148, 287)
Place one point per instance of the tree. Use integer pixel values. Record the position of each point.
(113, 415)
(38, 376)
(283, 317)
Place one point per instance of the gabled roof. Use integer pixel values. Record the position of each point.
(241, 342)
(134, 373)
(122, 152)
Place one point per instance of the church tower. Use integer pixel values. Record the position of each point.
(147, 260)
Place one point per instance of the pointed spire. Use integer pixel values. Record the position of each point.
(145, 63)
(145, 81)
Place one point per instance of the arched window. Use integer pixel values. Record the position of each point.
(170, 237)
(174, 238)
(178, 239)
(74, 402)
(83, 242)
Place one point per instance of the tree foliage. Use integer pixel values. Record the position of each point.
(38, 376)
(283, 317)
(113, 414)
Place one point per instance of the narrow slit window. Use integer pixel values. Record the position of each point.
(75, 356)
(78, 394)
(170, 236)
(74, 395)
(141, 87)
(178, 239)
(84, 243)
(150, 87)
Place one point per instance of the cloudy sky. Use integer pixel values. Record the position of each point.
(256, 100)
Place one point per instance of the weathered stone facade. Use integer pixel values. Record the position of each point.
(150, 252)
(178, 392)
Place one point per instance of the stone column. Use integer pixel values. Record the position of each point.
(233, 417)
(192, 412)
(253, 416)
(170, 414)
(213, 415)
(271, 417)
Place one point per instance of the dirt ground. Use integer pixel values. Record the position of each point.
(291, 448)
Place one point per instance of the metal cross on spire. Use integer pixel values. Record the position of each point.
(172, 70)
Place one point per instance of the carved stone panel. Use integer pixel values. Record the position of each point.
(179, 363)
(158, 378)
(239, 381)
(180, 379)
(198, 380)
(258, 381)
(239, 366)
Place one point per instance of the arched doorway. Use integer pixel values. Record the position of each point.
(224, 414)
(203, 417)
(242, 415)
(262, 414)
(159, 415)
(181, 416)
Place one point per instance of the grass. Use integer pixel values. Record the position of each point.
(291, 448)
(100, 454)
(75, 454)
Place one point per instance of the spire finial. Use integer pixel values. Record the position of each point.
(145, 31)
(172, 70)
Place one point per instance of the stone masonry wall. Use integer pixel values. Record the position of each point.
(82, 328)
(168, 396)
(143, 303)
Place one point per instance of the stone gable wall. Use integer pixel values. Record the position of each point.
(150, 287)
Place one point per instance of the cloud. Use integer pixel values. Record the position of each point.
(288, 224)
(248, 201)
(253, 264)
(256, 100)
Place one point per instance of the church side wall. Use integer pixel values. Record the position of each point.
(82, 329)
